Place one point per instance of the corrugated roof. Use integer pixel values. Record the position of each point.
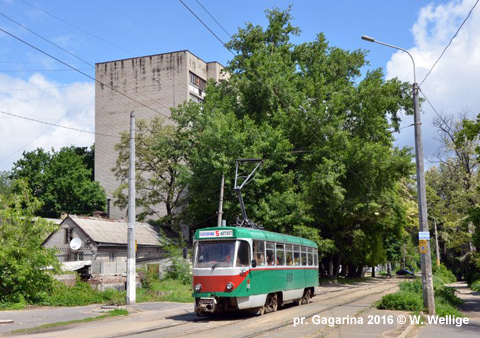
(115, 232)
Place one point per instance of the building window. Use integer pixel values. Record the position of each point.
(111, 256)
(68, 235)
(198, 82)
(195, 98)
(78, 256)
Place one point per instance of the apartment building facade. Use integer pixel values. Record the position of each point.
(149, 86)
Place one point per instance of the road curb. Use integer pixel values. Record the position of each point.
(406, 331)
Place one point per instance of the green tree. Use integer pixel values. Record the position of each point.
(6, 182)
(22, 258)
(62, 181)
(160, 151)
(323, 130)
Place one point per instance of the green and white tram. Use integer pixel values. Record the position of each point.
(238, 268)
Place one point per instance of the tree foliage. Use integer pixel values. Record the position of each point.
(160, 151)
(323, 129)
(62, 181)
(22, 258)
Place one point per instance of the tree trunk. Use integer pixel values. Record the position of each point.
(373, 271)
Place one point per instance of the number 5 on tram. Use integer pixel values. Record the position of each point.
(236, 268)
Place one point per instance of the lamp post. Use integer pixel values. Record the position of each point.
(426, 261)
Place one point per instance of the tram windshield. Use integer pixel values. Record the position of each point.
(215, 254)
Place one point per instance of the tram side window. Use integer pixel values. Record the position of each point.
(296, 255)
(315, 257)
(243, 256)
(288, 255)
(310, 257)
(304, 256)
(270, 254)
(259, 252)
(280, 255)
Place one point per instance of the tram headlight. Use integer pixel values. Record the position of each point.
(229, 286)
(198, 287)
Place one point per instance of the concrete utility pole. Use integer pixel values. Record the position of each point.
(426, 261)
(131, 273)
(220, 204)
(436, 243)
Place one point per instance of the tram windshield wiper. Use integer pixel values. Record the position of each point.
(218, 263)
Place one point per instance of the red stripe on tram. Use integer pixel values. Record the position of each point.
(218, 283)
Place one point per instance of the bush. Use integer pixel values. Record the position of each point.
(445, 274)
(402, 300)
(410, 298)
(475, 286)
(179, 269)
(81, 294)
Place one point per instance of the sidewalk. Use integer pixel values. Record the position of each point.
(471, 309)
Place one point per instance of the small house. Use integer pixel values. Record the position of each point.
(102, 243)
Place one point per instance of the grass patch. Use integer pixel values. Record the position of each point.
(410, 298)
(343, 280)
(167, 290)
(52, 326)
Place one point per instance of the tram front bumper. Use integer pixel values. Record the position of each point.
(206, 305)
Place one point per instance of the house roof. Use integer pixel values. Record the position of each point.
(114, 232)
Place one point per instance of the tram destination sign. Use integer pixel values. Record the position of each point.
(215, 233)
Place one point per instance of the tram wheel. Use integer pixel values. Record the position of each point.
(306, 297)
(271, 304)
(260, 311)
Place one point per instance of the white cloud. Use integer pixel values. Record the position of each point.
(38, 98)
(454, 84)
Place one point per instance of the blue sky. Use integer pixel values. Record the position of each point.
(35, 86)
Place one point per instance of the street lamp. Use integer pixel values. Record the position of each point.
(426, 261)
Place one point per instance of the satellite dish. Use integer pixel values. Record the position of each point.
(75, 243)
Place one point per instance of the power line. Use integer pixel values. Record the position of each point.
(39, 70)
(56, 125)
(78, 28)
(205, 25)
(451, 40)
(218, 23)
(45, 39)
(36, 138)
(430, 103)
(279, 97)
(83, 73)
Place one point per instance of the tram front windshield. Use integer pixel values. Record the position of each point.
(215, 254)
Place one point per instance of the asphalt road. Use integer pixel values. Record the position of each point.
(178, 320)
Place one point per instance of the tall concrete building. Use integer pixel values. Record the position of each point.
(155, 83)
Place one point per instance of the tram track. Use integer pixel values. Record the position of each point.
(222, 324)
(278, 327)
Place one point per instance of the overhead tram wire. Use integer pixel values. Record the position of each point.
(78, 28)
(451, 40)
(78, 58)
(83, 73)
(278, 96)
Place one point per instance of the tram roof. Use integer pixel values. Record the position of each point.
(239, 232)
